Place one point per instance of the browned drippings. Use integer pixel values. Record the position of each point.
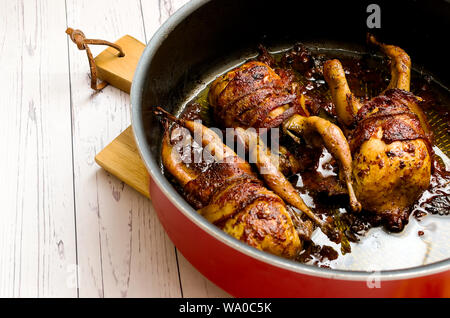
(435, 200)
(317, 255)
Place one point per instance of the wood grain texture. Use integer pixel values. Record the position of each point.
(37, 229)
(125, 249)
(119, 71)
(121, 158)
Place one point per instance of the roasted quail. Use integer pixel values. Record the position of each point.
(389, 139)
(255, 95)
(229, 194)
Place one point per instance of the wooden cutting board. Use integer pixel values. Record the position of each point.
(121, 158)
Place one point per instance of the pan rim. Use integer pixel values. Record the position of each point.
(179, 202)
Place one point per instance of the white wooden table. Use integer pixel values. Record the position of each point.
(68, 228)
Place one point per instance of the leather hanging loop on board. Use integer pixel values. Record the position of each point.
(78, 37)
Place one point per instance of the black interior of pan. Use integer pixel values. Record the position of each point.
(223, 32)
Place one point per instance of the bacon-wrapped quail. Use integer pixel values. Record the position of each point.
(229, 194)
(255, 95)
(389, 139)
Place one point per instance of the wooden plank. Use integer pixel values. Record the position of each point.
(119, 71)
(193, 283)
(121, 159)
(122, 248)
(37, 227)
